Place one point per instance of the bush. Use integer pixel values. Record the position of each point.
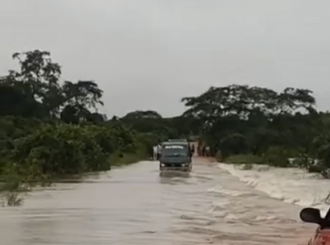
(55, 150)
(233, 144)
(278, 157)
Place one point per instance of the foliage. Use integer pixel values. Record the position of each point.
(51, 127)
(273, 126)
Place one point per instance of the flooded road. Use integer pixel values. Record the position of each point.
(134, 205)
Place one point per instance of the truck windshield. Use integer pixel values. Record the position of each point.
(169, 151)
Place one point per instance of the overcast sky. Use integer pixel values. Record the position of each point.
(148, 54)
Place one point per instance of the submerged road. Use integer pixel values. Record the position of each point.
(134, 205)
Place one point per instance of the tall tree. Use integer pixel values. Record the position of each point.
(80, 98)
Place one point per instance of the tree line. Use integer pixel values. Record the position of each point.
(249, 124)
(51, 127)
(263, 126)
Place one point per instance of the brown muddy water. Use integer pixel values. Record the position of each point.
(135, 205)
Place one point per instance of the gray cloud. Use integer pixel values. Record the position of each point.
(148, 54)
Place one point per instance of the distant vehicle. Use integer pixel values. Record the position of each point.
(175, 156)
(322, 234)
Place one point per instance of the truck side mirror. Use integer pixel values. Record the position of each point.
(311, 215)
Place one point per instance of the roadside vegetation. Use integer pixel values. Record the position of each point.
(246, 125)
(50, 128)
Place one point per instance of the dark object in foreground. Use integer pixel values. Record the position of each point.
(322, 233)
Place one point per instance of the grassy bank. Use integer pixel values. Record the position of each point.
(248, 160)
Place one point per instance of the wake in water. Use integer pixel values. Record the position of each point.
(291, 185)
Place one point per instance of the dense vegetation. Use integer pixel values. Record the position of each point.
(263, 126)
(246, 124)
(50, 127)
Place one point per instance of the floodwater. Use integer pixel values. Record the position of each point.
(135, 205)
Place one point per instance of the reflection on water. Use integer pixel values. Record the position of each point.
(136, 205)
